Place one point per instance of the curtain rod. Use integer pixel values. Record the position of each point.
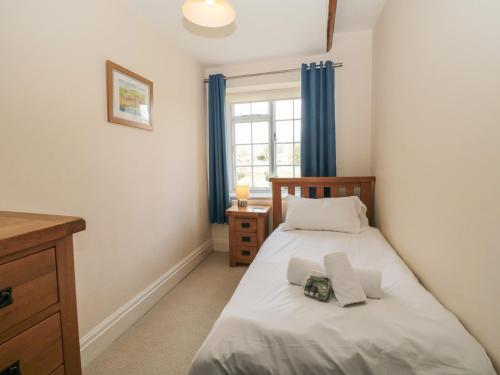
(336, 65)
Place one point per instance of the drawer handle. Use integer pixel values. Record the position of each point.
(6, 300)
(245, 225)
(245, 253)
(245, 239)
(13, 369)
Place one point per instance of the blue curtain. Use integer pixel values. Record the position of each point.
(217, 180)
(318, 153)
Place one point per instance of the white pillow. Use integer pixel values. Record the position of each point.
(335, 214)
(363, 219)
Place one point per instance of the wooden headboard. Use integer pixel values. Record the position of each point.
(322, 187)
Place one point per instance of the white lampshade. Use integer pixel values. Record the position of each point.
(242, 191)
(209, 13)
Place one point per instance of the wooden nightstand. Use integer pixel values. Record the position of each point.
(248, 228)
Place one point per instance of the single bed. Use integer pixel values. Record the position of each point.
(270, 327)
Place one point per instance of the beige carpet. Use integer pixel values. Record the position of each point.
(165, 340)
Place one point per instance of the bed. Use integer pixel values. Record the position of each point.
(270, 327)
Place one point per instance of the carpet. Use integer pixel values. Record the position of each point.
(165, 340)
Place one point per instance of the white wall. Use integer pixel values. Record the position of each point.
(352, 101)
(143, 194)
(437, 151)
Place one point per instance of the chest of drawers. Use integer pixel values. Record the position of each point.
(248, 228)
(38, 319)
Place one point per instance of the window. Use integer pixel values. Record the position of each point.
(265, 141)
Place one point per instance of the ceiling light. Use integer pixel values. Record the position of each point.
(209, 13)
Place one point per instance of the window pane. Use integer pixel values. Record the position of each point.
(261, 155)
(284, 131)
(296, 153)
(297, 130)
(242, 133)
(242, 109)
(243, 155)
(260, 132)
(261, 177)
(244, 176)
(285, 171)
(297, 103)
(284, 154)
(284, 109)
(260, 108)
(254, 143)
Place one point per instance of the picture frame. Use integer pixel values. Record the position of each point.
(130, 97)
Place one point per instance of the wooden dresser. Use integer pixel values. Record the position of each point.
(38, 320)
(248, 228)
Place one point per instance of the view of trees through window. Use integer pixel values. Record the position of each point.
(266, 141)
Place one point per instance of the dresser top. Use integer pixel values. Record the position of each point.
(242, 211)
(22, 230)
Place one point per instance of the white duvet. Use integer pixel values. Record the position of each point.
(270, 327)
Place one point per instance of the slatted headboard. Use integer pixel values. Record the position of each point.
(322, 187)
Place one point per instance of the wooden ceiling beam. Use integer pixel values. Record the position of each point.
(332, 10)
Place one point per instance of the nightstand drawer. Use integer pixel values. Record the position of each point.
(246, 239)
(245, 254)
(246, 225)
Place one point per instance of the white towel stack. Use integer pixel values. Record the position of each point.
(338, 269)
(299, 270)
(345, 284)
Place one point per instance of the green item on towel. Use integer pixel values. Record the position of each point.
(318, 287)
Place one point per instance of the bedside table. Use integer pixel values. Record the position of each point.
(248, 228)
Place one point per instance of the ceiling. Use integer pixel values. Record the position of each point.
(263, 28)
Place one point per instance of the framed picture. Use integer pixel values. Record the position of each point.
(130, 97)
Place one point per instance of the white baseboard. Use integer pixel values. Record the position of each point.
(99, 338)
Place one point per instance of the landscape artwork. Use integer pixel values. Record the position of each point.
(130, 97)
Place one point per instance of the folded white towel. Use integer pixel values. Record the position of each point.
(345, 284)
(299, 269)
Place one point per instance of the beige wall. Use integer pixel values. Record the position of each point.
(143, 194)
(436, 150)
(352, 101)
(352, 94)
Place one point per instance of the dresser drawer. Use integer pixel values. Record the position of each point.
(245, 254)
(246, 239)
(246, 225)
(27, 286)
(36, 351)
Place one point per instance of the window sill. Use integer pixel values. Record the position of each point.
(261, 196)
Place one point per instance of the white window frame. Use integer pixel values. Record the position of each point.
(232, 119)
